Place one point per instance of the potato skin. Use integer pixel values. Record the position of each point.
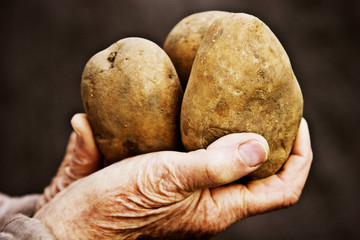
(242, 81)
(132, 96)
(184, 39)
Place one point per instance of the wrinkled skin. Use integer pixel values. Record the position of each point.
(178, 195)
(81, 159)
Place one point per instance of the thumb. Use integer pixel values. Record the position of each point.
(224, 161)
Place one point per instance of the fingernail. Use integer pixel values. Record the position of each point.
(253, 153)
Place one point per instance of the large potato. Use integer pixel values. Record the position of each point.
(242, 81)
(184, 39)
(132, 96)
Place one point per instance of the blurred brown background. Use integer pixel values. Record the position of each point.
(45, 45)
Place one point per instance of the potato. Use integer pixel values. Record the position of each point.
(242, 81)
(132, 97)
(184, 39)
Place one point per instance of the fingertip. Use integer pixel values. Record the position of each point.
(82, 127)
(79, 123)
(304, 126)
(302, 144)
(227, 159)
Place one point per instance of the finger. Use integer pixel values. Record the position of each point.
(302, 145)
(296, 169)
(81, 159)
(278, 191)
(68, 154)
(86, 156)
(226, 160)
(82, 127)
(61, 177)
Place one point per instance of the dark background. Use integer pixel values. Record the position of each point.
(44, 46)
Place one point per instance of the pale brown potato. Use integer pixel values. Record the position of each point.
(132, 96)
(242, 81)
(184, 39)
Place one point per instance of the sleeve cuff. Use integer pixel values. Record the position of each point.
(23, 227)
(10, 206)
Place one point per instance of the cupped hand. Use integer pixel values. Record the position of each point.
(81, 159)
(173, 195)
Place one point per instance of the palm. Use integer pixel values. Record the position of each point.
(175, 195)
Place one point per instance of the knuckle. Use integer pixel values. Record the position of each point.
(171, 180)
(159, 182)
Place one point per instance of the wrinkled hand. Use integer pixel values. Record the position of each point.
(173, 195)
(81, 159)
